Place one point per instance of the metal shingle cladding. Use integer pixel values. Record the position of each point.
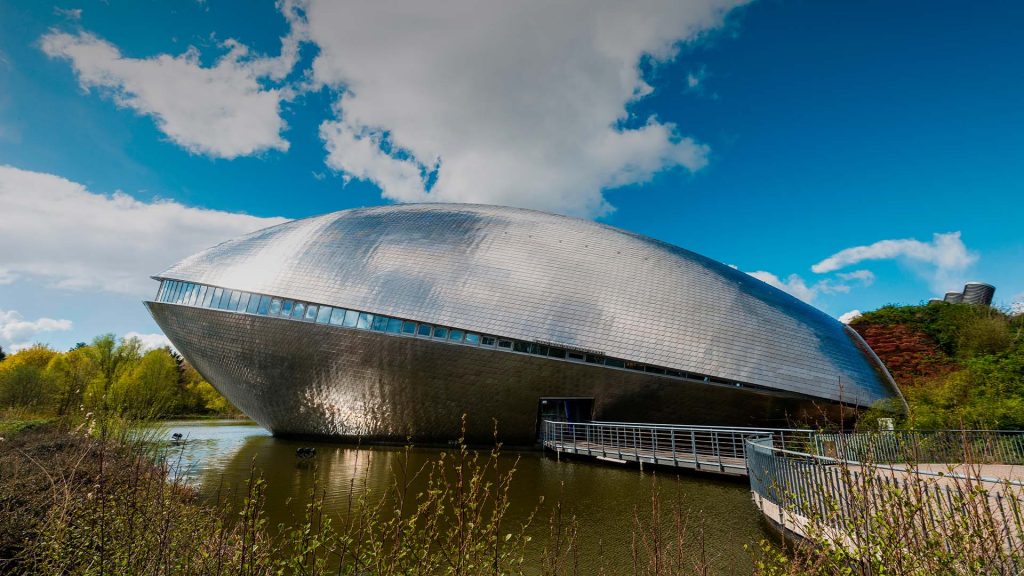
(537, 276)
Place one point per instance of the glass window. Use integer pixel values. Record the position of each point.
(487, 340)
(380, 322)
(504, 344)
(243, 302)
(254, 303)
(185, 293)
(323, 314)
(351, 319)
(408, 327)
(440, 332)
(364, 320)
(310, 313)
(394, 325)
(264, 307)
(455, 335)
(193, 298)
(207, 301)
(225, 299)
(217, 294)
(338, 316)
(201, 297)
(286, 307)
(520, 346)
(556, 352)
(178, 293)
(175, 286)
(299, 311)
(275, 306)
(576, 356)
(593, 359)
(160, 291)
(235, 298)
(539, 349)
(424, 330)
(473, 339)
(614, 362)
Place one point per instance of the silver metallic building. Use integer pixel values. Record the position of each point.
(393, 322)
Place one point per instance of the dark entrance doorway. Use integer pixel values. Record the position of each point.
(563, 410)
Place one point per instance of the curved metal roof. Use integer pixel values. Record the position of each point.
(537, 276)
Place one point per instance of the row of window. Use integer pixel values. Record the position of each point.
(203, 296)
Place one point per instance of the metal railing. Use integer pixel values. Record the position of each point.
(924, 446)
(842, 499)
(709, 448)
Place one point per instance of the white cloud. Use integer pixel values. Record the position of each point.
(17, 333)
(850, 316)
(865, 277)
(225, 110)
(518, 103)
(793, 284)
(57, 230)
(7, 277)
(945, 259)
(1017, 307)
(151, 341)
(74, 14)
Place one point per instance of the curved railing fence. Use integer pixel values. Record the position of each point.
(928, 446)
(716, 449)
(866, 508)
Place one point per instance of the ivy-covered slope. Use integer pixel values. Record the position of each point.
(958, 365)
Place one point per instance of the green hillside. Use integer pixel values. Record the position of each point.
(958, 365)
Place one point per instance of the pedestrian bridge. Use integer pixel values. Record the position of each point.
(704, 448)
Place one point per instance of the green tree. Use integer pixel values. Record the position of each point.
(2, 355)
(149, 389)
(23, 382)
(70, 374)
(111, 359)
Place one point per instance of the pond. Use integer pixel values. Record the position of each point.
(219, 455)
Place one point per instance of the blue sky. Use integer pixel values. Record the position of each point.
(855, 154)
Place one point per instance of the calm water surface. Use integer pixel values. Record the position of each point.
(218, 455)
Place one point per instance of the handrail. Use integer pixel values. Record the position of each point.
(687, 426)
(912, 467)
(821, 496)
(718, 449)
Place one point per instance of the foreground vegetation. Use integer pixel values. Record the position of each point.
(108, 375)
(74, 502)
(958, 365)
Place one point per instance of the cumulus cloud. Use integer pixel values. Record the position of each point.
(943, 261)
(57, 230)
(850, 316)
(865, 277)
(517, 103)
(225, 110)
(17, 333)
(793, 284)
(151, 341)
(1017, 307)
(74, 14)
